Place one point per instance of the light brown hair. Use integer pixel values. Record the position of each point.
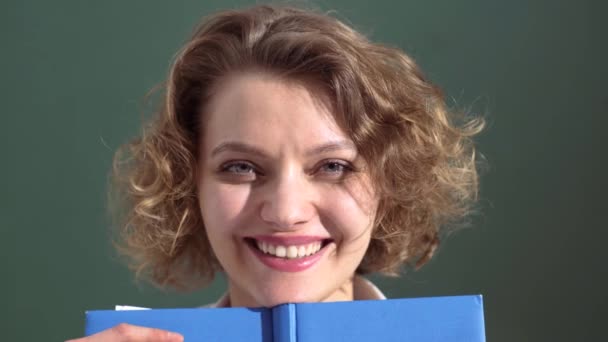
(421, 160)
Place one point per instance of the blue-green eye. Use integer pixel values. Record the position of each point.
(239, 168)
(334, 167)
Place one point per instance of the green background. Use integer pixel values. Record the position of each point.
(74, 74)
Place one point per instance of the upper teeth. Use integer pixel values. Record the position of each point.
(290, 252)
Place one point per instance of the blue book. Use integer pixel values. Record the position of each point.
(435, 319)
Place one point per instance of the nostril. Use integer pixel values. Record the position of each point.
(287, 212)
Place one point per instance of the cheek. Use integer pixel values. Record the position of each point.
(349, 212)
(222, 206)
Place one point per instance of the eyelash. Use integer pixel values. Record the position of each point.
(227, 166)
(345, 168)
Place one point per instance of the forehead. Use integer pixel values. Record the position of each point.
(269, 111)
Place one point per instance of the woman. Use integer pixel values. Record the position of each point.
(295, 156)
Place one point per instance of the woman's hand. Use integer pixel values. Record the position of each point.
(132, 333)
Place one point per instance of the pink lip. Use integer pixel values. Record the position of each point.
(285, 264)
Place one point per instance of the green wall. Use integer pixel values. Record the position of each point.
(74, 73)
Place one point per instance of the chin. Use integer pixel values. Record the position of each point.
(274, 298)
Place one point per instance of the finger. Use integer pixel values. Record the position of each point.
(132, 333)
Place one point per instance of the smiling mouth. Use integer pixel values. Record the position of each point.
(288, 251)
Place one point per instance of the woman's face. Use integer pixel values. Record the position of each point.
(286, 202)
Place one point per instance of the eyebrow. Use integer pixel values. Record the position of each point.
(236, 146)
(331, 147)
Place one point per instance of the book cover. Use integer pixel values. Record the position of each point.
(434, 319)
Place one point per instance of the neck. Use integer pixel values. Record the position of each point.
(237, 297)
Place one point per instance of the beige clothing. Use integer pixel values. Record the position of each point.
(363, 290)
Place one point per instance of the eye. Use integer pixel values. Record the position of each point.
(239, 171)
(335, 168)
(238, 168)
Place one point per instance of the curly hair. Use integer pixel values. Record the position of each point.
(421, 159)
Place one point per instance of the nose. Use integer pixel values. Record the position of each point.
(287, 203)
